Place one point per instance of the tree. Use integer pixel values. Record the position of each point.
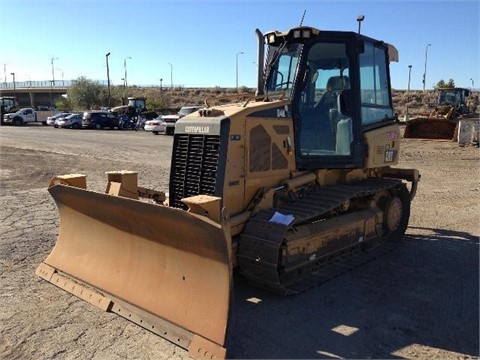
(442, 84)
(63, 104)
(85, 93)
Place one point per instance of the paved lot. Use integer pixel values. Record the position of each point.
(419, 301)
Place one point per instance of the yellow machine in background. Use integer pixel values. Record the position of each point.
(275, 185)
(442, 122)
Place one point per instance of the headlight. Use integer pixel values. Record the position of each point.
(303, 32)
(271, 38)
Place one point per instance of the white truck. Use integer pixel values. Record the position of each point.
(22, 116)
(28, 115)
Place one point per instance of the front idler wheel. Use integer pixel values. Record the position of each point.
(397, 213)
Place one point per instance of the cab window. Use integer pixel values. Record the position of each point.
(374, 87)
(282, 75)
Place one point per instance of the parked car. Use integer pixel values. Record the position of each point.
(51, 119)
(73, 121)
(154, 125)
(98, 119)
(166, 123)
(61, 118)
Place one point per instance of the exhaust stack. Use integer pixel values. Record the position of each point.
(260, 62)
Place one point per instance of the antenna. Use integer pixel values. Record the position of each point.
(303, 17)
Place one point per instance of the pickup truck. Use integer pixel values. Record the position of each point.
(22, 116)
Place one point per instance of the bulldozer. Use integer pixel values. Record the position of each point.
(453, 98)
(442, 121)
(135, 107)
(275, 186)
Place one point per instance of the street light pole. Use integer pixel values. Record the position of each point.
(29, 80)
(171, 75)
(360, 18)
(236, 68)
(471, 79)
(409, 77)
(13, 75)
(5, 73)
(108, 77)
(53, 70)
(124, 98)
(63, 82)
(51, 92)
(425, 70)
(408, 89)
(125, 68)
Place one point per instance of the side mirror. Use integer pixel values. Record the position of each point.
(345, 100)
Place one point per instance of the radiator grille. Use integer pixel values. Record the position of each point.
(194, 167)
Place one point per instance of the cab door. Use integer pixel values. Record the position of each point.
(327, 136)
(29, 115)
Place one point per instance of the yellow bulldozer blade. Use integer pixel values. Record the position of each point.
(166, 269)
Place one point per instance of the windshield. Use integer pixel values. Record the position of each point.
(136, 103)
(188, 110)
(451, 97)
(281, 74)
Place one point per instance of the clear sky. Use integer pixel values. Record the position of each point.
(196, 42)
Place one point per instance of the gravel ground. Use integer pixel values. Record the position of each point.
(418, 302)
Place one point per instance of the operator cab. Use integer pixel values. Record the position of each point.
(456, 97)
(339, 87)
(8, 103)
(137, 103)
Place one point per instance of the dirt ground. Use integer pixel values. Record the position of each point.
(420, 301)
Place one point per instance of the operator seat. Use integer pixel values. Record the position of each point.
(335, 85)
(329, 105)
(343, 128)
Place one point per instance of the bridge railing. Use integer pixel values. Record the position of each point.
(41, 84)
(67, 83)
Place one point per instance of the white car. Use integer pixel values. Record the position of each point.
(73, 121)
(51, 119)
(166, 123)
(155, 125)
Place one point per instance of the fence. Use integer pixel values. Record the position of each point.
(40, 84)
(68, 83)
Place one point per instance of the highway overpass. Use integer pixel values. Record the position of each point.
(34, 96)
